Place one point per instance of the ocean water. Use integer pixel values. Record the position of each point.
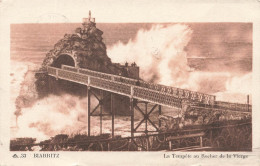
(214, 58)
(226, 44)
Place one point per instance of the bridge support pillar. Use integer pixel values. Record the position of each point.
(101, 110)
(113, 115)
(143, 109)
(132, 116)
(105, 100)
(146, 117)
(88, 96)
(160, 112)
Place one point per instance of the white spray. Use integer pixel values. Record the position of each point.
(160, 53)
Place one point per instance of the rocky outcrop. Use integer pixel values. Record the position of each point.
(198, 116)
(85, 46)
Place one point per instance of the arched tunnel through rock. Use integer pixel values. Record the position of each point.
(64, 59)
(61, 86)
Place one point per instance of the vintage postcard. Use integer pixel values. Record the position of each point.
(129, 82)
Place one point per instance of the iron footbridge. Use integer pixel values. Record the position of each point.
(138, 91)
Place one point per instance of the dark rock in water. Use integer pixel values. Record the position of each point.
(193, 116)
(22, 144)
(84, 49)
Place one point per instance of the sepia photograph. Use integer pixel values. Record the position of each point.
(131, 86)
(93, 80)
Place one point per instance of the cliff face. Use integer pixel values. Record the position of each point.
(198, 116)
(86, 50)
(86, 47)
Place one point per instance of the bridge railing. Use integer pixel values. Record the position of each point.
(176, 92)
(101, 81)
(233, 106)
(74, 76)
(128, 87)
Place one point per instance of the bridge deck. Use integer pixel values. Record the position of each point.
(155, 93)
(138, 89)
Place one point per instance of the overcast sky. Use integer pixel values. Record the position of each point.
(32, 11)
